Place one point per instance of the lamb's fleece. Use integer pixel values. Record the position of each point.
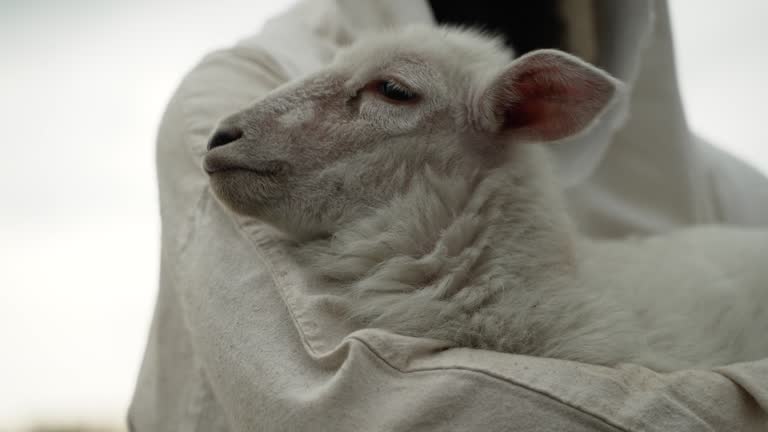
(465, 264)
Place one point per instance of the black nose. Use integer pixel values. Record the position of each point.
(224, 135)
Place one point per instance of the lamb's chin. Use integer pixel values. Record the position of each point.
(245, 191)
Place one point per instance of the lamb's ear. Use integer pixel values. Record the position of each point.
(545, 95)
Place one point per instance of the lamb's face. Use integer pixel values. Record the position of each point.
(316, 154)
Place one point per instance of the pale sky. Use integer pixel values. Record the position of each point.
(83, 85)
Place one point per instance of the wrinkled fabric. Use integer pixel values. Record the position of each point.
(241, 342)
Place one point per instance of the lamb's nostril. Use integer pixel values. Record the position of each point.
(224, 135)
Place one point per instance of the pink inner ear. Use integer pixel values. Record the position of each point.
(548, 96)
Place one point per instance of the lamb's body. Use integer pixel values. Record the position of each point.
(698, 296)
(497, 266)
(402, 175)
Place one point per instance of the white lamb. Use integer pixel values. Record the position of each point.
(408, 172)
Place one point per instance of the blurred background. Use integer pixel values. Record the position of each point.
(83, 84)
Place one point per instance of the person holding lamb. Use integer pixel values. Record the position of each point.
(389, 179)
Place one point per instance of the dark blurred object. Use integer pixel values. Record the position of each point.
(526, 26)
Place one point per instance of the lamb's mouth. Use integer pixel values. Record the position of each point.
(213, 164)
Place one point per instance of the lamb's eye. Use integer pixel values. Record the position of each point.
(395, 92)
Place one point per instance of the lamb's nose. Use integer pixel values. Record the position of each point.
(224, 135)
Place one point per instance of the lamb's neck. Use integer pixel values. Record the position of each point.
(450, 234)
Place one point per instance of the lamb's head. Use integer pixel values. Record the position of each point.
(316, 154)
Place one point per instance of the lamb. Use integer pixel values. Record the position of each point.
(412, 172)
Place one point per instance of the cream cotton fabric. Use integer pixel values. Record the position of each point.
(240, 342)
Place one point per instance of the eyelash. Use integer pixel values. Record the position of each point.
(394, 92)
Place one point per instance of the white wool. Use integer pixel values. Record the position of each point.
(439, 219)
(434, 263)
